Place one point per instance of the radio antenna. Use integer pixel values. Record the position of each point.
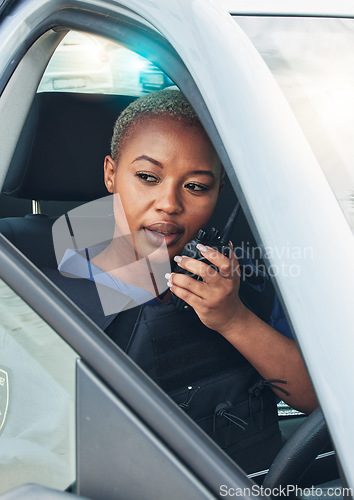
(225, 237)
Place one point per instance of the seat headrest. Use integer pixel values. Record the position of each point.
(62, 146)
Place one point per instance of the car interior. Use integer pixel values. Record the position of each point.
(89, 119)
(57, 166)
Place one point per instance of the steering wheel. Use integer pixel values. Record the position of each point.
(298, 452)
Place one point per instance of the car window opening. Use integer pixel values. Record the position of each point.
(88, 83)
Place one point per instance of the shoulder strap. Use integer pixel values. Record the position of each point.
(83, 293)
(122, 329)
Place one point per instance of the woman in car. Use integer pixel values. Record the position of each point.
(165, 178)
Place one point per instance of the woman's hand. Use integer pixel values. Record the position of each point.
(215, 299)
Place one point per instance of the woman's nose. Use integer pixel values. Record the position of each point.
(168, 200)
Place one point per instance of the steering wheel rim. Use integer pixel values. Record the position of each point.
(298, 452)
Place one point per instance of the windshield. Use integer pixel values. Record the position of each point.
(312, 61)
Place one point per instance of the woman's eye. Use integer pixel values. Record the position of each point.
(192, 186)
(146, 177)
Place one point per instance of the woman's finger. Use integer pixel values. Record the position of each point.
(187, 282)
(205, 271)
(185, 294)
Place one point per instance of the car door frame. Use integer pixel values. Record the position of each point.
(305, 299)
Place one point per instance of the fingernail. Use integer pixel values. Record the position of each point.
(202, 248)
(169, 284)
(168, 276)
(231, 245)
(177, 258)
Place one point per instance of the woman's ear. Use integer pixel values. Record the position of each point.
(109, 173)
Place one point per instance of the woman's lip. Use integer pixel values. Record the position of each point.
(165, 227)
(158, 237)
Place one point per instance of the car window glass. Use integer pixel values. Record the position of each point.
(87, 64)
(90, 64)
(311, 60)
(37, 396)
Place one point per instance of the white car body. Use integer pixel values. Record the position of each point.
(276, 175)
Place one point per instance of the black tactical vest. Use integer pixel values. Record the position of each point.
(206, 376)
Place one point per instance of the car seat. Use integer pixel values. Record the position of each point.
(59, 157)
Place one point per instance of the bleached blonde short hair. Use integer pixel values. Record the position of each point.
(167, 102)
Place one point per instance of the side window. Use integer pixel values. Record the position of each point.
(37, 396)
(90, 64)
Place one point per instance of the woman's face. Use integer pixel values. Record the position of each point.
(168, 180)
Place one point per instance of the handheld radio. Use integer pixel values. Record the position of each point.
(212, 238)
